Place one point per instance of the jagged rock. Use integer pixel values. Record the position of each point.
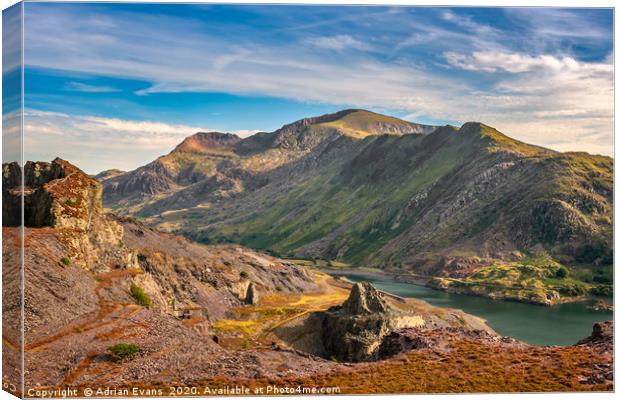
(61, 196)
(602, 341)
(401, 341)
(56, 194)
(602, 337)
(365, 299)
(354, 331)
(251, 296)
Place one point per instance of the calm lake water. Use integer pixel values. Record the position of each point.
(563, 324)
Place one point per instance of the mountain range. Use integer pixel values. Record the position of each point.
(373, 190)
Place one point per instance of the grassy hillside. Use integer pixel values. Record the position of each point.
(373, 190)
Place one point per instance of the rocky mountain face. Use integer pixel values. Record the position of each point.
(108, 174)
(369, 189)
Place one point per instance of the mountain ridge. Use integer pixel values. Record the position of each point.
(402, 202)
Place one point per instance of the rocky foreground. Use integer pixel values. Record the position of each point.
(210, 316)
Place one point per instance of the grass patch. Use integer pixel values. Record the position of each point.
(124, 351)
(139, 296)
(539, 279)
(246, 327)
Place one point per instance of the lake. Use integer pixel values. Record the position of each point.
(563, 324)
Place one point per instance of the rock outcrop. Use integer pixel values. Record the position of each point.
(251, 296)
(602, 337)
(602, 342)
(56, 194)
(365, 299)
(60, 196)
(355, 330)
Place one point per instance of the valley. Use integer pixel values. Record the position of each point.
(476, 210)
(111, 302)
(206, 199)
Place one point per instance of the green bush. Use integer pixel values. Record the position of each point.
(561, 273)
(243, 274)
(573, 290)
(602, 290)
(227, 263)
(138, 294)
(66, 261)
(124, 350)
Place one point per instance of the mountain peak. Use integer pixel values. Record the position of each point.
(498, 140)
(207, 142)
(360, 123)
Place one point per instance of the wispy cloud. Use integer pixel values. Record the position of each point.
(492, 61)
(444, 64)
(86, 88)
(11, 37)
(468, 23)
(337, 42)
(98, 143)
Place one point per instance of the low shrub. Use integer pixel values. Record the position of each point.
(243, 274)
(65, 261)
(124, 351)
(138, 294)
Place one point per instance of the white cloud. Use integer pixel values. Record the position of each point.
(492, 61)
(556, 102)
(338, 42)
(466, 22)
(243, 133)
(11, 136)
(544, 98)
(96, 143)
(86, 88)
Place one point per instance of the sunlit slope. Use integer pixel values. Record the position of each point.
(394, 200)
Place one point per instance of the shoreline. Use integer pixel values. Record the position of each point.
(424, 282)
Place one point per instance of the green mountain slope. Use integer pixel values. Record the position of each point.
(373, 190)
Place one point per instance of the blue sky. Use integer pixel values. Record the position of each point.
(115, 85)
